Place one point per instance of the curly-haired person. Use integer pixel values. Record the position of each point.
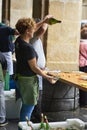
(27, 68)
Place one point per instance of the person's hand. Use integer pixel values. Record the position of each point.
(52, 80)
(47, 18)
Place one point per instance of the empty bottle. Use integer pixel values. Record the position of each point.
(47, 123)
(42, 125)
(28, 123)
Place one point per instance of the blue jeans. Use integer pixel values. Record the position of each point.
(26, 110)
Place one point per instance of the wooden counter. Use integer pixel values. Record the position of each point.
(76, 78)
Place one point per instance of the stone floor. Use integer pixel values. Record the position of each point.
(12, 125)
(80, 113)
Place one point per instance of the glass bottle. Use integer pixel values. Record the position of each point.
(42, 125)
(53, 21)
(28, 123)
(47, 123)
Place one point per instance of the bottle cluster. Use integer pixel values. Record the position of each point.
(44, 124)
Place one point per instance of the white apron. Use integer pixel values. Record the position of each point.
(8, 56)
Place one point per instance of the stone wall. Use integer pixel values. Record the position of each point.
(20, 8)
(63, 38)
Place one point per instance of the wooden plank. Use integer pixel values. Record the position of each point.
(78, 79)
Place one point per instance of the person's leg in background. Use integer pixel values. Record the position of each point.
(81, 69)
(83, 94)
(3, 121)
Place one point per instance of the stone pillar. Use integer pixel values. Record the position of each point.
(63, 38)
(0, 10)
(62, 53)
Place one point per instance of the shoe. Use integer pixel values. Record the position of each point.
(4, 123)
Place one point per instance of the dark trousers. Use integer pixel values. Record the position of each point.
(83, 94)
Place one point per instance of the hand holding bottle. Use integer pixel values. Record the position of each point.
(49, 19)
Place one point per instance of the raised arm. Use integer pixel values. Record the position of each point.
(45, 20)
(41, 30)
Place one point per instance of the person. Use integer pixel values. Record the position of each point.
(26, 65)
(83, 62)
(5, 44)
(11, 37)
(41, 62)
(3, 68)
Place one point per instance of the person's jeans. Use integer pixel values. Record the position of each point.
(2, 103)
(26, 110)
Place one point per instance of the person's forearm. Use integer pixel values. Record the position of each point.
(42, 30)
(45, 20)
(38, 71)
(38, 25)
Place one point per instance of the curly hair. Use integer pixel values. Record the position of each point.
(25, 23)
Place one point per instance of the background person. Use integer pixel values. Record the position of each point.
(41, 62)
(3, 68)
(5, 44)
(83, 62)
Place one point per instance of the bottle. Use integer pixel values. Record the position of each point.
(42, 125)
(53, 21)
(28, 123)
(47, 123)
